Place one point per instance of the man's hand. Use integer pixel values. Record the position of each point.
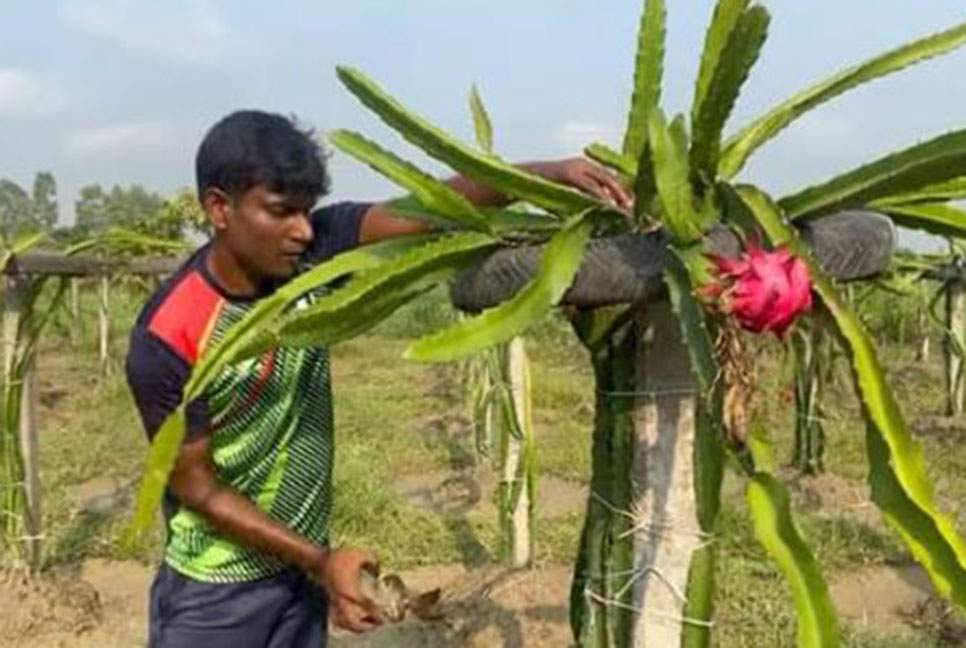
(584, 175)
(340, 575)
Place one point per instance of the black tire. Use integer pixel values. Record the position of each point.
(624, 269)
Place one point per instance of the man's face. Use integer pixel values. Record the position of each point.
(267, 232)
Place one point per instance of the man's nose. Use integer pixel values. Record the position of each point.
(302, 228)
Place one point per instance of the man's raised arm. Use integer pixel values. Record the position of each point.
(380, 223)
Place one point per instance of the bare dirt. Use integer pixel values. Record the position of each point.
(947, 426)
(97, 605)
(104, 606)
(832, 495)
(879, 598)
(103, 495)
(54, 606)
(891, 600)
(465, 490)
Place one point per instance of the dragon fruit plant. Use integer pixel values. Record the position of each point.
(21, 520)
(812, 359)
(953, 291)
(672, 377)
(499, 378)
(949, 270)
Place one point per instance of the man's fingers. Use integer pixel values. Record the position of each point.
(601, 183)
(621, 196)
(590, 185)
(362, 623)
(354, 617)
(586, 181)
(357, 626)
(609, 187)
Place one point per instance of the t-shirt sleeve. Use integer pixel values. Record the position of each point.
(336, 229)
(157, 376)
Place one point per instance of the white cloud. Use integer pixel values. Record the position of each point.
(575, 135)
(175, 30)
(24, 95)
(120, 140)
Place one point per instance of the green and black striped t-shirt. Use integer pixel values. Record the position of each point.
(269, 418)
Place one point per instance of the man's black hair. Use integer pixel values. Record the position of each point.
(251, 147)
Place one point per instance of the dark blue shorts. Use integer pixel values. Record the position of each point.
(284, 611)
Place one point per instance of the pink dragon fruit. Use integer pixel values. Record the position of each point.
(764, 291)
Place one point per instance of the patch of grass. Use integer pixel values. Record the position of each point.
(563, 406)
(841, 542)
(368, 513)
(90, 431)
(391, 414)
(911, 640)
(563, 447)
(556, 540)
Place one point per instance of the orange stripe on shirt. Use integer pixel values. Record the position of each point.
(185, 319)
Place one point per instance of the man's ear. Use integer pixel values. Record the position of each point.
(217, 206)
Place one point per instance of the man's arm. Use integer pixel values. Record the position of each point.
(380, 223)
(195, 483)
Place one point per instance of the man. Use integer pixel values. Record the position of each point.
(249, 498)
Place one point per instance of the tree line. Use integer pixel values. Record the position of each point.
(97, 209)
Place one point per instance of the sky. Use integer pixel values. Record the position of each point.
(121, 92)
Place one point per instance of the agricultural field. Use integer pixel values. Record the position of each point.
(410, 485)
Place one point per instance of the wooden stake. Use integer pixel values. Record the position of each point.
(956, 337)
(103, 313)
(12, 297)
(922, 321)
(521, 542)
(75, 318)
(30, 449)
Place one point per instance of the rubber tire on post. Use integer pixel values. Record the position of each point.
(624, 269)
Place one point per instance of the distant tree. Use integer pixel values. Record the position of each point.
(97, 209)
(90, 208)
(179, 216)
(134, 204)
(45, 200)
(16, 210)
